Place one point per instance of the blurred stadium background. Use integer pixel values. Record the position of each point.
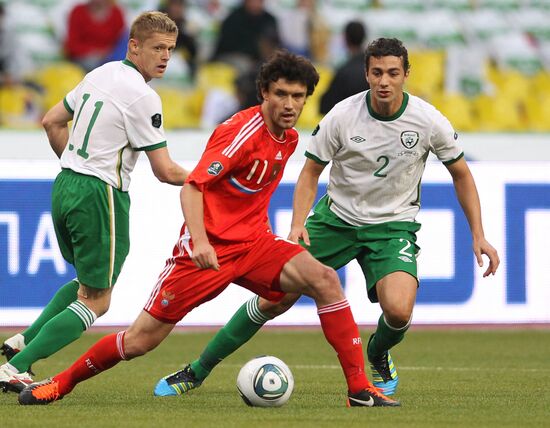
(484, 63)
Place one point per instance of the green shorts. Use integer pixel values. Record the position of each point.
(91, 221)
(380, 249)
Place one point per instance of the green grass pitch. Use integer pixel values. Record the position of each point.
(448, 378)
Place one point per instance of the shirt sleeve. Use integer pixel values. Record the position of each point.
(143, 122)
(444, 140)
(70, 101)
(218, 159)
(324, 142)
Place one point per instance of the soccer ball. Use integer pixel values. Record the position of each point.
(265, 381)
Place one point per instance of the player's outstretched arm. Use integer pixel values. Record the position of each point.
(55, 123)
(468, 197)
(165, 169)
(304, 195)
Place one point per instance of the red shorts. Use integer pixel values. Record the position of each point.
(256, 265)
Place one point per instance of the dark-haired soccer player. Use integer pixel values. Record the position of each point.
(226, 238)
(378, 142)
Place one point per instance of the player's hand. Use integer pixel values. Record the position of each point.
(481, 246)
(204, 256)
(297, 233)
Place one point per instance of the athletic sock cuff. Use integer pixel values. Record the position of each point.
(405, 327)
(333, 307)
(254, 313)
(120, 344)
(86, 315)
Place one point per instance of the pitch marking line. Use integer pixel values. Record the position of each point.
(418, 368)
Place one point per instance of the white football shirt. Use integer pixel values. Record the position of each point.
(116, 114)
(378, 162)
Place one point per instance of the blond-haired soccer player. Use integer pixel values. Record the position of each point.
(116, 115)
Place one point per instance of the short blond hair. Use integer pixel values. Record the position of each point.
(151, 22)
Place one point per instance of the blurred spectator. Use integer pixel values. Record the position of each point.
(304, 31)
(95, 30)
(186, 44)
(4, 48)
(246, 90)
(248, 35)
(219, 105)
(350, 77)
(7, 50)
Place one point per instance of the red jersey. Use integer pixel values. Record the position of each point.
(238, 172)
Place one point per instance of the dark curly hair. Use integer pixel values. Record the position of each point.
(387, 47)
(286, 65)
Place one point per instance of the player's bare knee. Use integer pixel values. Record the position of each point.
(96, 299)
(326, 284)
(397, 317)
(272, 310)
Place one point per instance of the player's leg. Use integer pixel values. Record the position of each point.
(62, 298)
(15, 375)
(181, 286)
(91, 221)
(65, 327)
(61, 330)
(66, 295)
(389, 264)
(68, 292)
(244, 324)
(303, 274)
(144, 334)
(396, 293)
(252, 315)
(184, 288)
(333, 242)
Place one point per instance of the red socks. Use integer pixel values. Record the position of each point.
(342, 333)
(103, 355)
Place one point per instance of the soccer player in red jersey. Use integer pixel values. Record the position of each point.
(226, 239)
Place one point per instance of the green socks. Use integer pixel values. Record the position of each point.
(63, 298)
(385, 337)
(57, 333)
(241, 327)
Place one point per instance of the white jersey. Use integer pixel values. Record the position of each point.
(378, 162)
(116, 114)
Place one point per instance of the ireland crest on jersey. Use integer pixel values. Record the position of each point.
(409, 139)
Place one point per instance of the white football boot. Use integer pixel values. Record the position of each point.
(12, 346)
(13, 381)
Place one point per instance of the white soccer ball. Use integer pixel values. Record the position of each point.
(265, 381)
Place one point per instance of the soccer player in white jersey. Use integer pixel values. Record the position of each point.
(116, 115)
(378, 142)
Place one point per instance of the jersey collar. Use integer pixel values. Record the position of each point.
(129, 63)
(394, 116)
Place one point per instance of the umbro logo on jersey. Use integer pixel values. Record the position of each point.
(279, 156)
(405, 259)
(357, 139)
(409, 139)
(215, 168)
